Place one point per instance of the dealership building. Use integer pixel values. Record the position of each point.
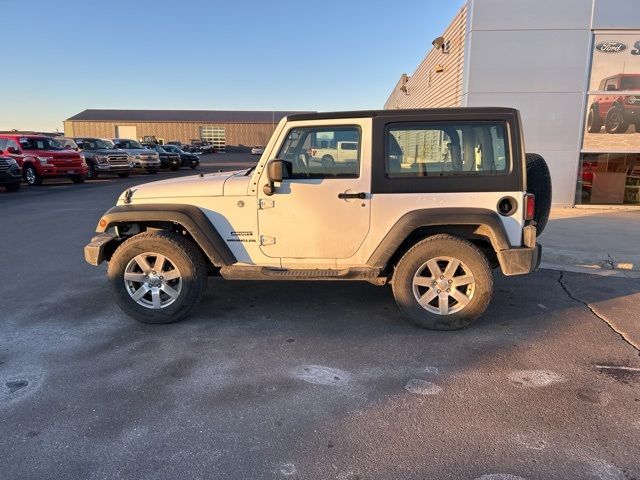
(224, 129)
(572, 68)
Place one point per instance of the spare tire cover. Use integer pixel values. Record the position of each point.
(539, 184)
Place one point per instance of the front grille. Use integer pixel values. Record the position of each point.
(118, 159)
(4, 165)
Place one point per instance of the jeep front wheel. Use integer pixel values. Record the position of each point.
(614, 121)
(157, 277)
(443, 283)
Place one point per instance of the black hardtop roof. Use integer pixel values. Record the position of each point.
(404, 113)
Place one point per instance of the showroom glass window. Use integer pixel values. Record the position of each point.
(609, 168)
(323, 152)
(439, 149)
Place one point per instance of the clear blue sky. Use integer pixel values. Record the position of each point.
(64, 56)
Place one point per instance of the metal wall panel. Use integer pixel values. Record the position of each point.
(429, 88)
(530, 14)
(237, 134)
(616, 14)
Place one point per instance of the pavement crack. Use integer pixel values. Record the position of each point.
(596, 314)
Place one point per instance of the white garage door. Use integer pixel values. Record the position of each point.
(127, 131)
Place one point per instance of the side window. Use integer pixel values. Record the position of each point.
(12, 143)
(424, 150)
(319, 152)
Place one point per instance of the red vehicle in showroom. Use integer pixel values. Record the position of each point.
(616, 110)
(43, 157)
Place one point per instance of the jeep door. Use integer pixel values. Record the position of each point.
(320, 212)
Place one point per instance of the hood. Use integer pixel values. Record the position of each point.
(52, 153)
(208, 185)
(105, 151)
(139, 151)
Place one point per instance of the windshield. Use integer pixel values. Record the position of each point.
(40, 143)
(171, 148)
(109, 143)
(94, 144)
(630, 83)
(129, 144)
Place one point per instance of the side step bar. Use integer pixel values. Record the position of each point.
(240, 272)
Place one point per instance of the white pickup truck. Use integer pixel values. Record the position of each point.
(344, 152)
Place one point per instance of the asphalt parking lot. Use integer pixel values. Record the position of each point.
(308, 380)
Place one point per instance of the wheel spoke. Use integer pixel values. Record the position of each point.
(451, 268)
(171, 275)
(155, 297)
(460, 297)
(135, 277)
(427, 297)
(443, 303)
(169, 291)
(434, 268)
(420, 281)
(140, 293)
(159, 265)
(463, 280)
(141, 260)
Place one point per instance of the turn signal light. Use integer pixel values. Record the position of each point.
(530, 203)
(103, 223)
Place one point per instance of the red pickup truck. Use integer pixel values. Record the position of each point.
(42, 157)
(616, 109)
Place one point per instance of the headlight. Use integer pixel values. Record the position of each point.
(101, 159)
(44, 160)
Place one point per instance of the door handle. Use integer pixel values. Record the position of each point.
(360, 195)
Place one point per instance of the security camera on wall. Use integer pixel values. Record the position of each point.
(438, 42)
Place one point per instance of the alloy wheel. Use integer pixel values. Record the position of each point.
(152, 280)
(443, 285)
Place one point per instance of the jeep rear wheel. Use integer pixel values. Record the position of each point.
(614, 121)
(443, 283)
(594, 122)
(31, 176)
(157, 277)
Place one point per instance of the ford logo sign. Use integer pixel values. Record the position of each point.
(611, 47)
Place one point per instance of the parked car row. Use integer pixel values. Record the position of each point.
(35, 157)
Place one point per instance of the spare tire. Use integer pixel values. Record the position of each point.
(539, 184)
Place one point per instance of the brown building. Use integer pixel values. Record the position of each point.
(224, 129)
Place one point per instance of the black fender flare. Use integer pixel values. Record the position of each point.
(191, 218)
(487, 223)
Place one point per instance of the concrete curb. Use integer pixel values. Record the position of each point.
(592, 262)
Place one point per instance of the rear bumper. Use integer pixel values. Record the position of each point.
(522, 260)
(96, 251)
(518, 261)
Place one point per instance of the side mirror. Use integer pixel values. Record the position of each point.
(13, 150)
(277, 170)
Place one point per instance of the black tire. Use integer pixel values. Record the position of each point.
(78, 178)
(594, 122)
(433, 248)
(614, 121)
(92, 173)
(31, 176)
(327, 161)
(12, 187)
(123, 175)
(539, 184)
(181, 253)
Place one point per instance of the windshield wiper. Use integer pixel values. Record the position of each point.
(249, 171)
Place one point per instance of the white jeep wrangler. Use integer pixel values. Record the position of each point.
(433, 200)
